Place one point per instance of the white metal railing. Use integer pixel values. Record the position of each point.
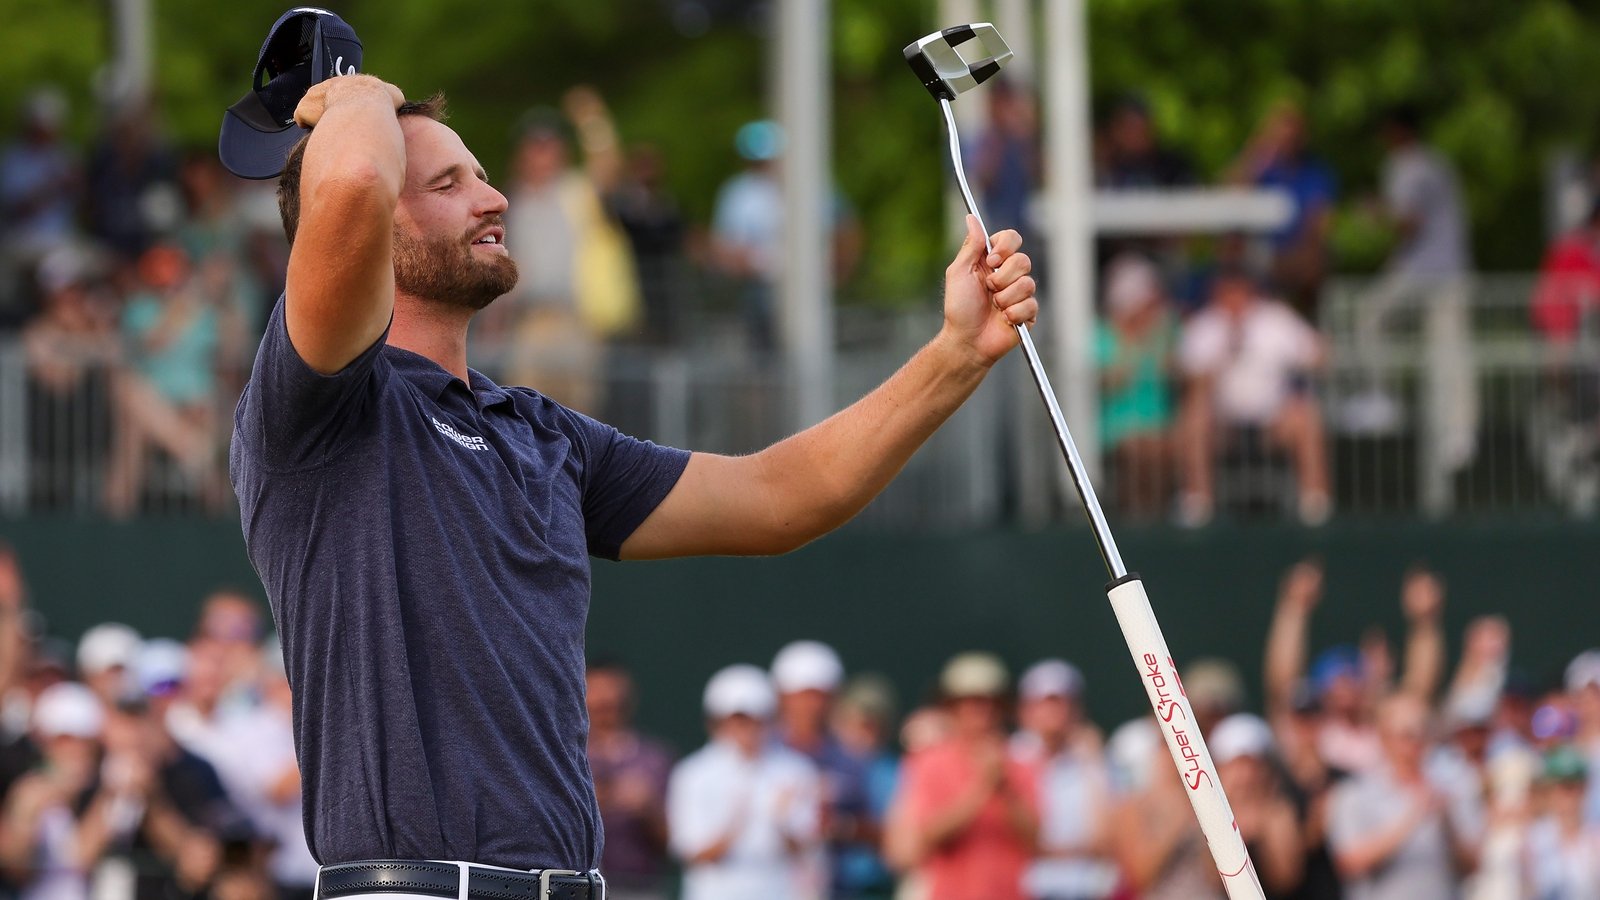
(1531, 422)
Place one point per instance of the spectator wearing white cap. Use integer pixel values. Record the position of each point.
(1242, 748)
(967, 814)
(105, 654)
(807, 675)
(1074, 861)
(743, 810)
(1583, 691)
(43, 845)
(176, 817)
(1134, 344)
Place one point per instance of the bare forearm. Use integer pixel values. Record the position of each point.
(1286, 655)
(821, 477)
(1424, 661)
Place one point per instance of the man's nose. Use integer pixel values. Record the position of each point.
(493, 202)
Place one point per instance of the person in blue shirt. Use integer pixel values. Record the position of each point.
(1278, 157)
(424, 534)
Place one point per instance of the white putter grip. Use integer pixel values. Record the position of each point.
(1175, 718)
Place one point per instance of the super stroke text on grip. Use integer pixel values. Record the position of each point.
(1194, 773)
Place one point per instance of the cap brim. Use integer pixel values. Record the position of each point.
(251, 152)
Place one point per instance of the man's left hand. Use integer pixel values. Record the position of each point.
(987, 294)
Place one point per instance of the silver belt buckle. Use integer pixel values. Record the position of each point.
(544, 880)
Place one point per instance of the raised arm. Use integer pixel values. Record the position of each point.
(1422, 598)
(1287, 637)
(340, 290)
(809, 484)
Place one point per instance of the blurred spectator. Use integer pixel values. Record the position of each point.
(630, 783)
(1342, 688)
(1247, 361)
(1568, 291)
(1278, 157)
(1429, 268)
(1583, 690)
(1564, 418)
(176, 328)
(863, 721)
(133, 196)
(747, 231)
(1394, 833)
(1130, 156)
(106, 654)
(1159, 846)
(50, 839)
(265, 781)
(1214, 689)
(807, 675)
(1563, 850)
(232, 621)
(967, 814)
(18, 685)
(578, 284)
(39, 184)
(1133, 350)
(68, 348)
(216, 235)
(743, 811)
(655, 226)
(1073, 859)
(1242, 748)
(1006, 166)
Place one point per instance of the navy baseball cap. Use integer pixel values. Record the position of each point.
(307, 45)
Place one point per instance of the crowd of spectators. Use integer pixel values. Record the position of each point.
(138, 768)
(1211, 349)
(138, 275)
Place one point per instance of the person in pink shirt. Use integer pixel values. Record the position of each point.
(967, 815)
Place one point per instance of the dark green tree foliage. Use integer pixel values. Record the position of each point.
(1504, 84)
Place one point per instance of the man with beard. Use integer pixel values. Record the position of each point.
(424, 534)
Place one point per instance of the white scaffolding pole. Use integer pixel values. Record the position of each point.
(805, 294)
(1070, 305)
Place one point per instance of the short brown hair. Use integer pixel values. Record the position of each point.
(289, 182)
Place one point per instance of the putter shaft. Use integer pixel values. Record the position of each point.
(1080, 476)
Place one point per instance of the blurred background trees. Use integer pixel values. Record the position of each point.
(1504, 86)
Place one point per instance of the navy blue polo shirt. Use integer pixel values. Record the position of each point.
(425, 547)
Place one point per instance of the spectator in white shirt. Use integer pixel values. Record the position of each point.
(1395, 834)
(743, 811)
(1562, 852)
(1074, 861)
(1245, 359)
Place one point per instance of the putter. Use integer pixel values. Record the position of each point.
(947, 72)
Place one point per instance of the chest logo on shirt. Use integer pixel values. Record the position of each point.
(469, 441)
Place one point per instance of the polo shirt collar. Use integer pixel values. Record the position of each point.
(435, 379)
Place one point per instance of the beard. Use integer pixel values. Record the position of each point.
(444, 270)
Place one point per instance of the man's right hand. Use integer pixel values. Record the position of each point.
(330, 91)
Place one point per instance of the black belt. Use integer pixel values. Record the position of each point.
(442, 879)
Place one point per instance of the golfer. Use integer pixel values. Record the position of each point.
(424, 534)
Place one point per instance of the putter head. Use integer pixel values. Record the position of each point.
(945, 71)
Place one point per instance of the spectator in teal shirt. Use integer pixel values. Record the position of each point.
(1133, 350)
(166, 398)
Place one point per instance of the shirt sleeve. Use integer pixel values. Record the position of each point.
(694, 818)
(295, 417)
(1406, 188)
(1202, 346)
(624, 480)
(1345, 821)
